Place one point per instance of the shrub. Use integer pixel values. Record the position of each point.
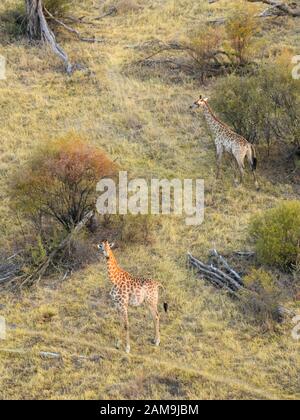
(137, 228)
(260, 280)
(14, 20)
(264, 106)
(241, 27)
(130, 228)
(262, 298)
(277, 235)
(59, 181)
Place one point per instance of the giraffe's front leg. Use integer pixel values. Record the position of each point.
(219, 152)
(236, 171)
(125, 324)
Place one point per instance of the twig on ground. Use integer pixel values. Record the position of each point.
(112, 11)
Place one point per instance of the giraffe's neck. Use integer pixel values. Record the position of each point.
(112, 267)
(214, 124)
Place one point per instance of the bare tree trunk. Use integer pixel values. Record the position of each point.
(33, 21)
(38, 29)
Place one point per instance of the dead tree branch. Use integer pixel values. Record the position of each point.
(50, 354)
(43, 267)
(72, 30)
(281, 7)
(10, 273)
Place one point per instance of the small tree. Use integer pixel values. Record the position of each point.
(204, 47)
(241, 28)
(59, 181)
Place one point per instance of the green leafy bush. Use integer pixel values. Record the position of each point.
(263, 106)
(277, 235)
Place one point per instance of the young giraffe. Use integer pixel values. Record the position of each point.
(227, 140)
(128, 290)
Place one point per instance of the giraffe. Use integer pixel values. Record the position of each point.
(226, 140)
(130, 291)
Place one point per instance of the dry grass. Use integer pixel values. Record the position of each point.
(209, 350)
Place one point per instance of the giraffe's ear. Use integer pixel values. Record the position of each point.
(205, 99)
(113, 245)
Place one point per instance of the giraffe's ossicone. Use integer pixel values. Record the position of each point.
(130, 291)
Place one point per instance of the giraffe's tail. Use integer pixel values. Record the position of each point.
(254, 158)
(166, 305)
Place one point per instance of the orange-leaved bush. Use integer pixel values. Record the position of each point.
(59, 181)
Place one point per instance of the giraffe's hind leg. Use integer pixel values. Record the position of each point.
(240, 162)
(155, 316)
(239, 172)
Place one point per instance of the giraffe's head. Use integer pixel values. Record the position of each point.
(105, 247)
(200, 103)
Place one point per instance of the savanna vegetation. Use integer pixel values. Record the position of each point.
(122, 102)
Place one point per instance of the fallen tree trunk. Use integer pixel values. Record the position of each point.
(224, 263)
(215, 274)
(281, 7)
(278, 8)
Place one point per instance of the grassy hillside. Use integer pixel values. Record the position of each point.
(210, 349)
